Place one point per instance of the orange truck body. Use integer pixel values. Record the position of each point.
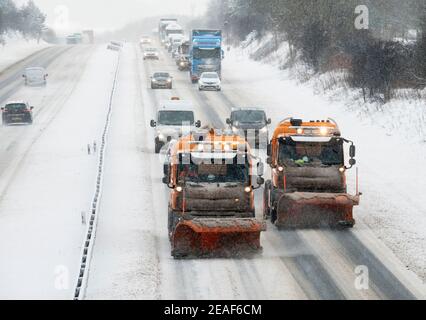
(308, 195)
(211, 219)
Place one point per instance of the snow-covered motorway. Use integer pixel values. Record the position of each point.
(132, 255)
(47, 180)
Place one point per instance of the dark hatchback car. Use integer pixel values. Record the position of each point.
(250, 123)
(17, 112)
(161, 80)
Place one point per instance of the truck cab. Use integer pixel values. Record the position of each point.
(174, 119)
(212, 178)
(308, 176)
(206, 53)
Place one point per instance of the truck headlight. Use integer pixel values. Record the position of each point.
(264, 130)
(179, 189)
(161, 137)
(169, 80)
(247, 189)
(235, 130)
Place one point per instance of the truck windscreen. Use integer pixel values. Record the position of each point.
(207, 53)
(310, 154)
(175, 118)
(249, 116)
(213, 173)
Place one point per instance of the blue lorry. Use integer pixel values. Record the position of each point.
(206, 53)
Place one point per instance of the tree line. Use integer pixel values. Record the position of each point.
(26, 19)
(323, 32)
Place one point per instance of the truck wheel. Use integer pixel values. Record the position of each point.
(266, 200)
(273, 215)
(171, 223)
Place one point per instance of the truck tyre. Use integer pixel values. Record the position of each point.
(170, 223)
(266, 200)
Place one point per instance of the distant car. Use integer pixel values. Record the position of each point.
(250, 123)
(36, 76)
(17, 112)
(209, 81)
(161, 80)
(151, 53)
(115, 46)
(145, 40)
(183, 63)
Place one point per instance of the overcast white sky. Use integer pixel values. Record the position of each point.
(111, 14)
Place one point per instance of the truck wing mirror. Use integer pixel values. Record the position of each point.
(198, 124)
(166, 169)
(166, 180)
(352, 162)
(352, 151)
(260, 181)
(31, 108)
(269, 121)
(228, 121)
(269, 150)
(153, 124)
(269, 161)
(260, 169)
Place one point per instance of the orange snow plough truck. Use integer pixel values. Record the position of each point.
(211, 207)
(308, 184)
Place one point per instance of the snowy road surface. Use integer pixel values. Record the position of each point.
(47, 180)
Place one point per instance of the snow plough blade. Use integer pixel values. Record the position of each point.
(304, 210)
(222, 237)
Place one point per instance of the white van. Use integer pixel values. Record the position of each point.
(36, 76)
(173, 118)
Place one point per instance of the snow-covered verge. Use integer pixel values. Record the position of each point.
(51, 178)
(17, 49)
(390, 140)
(405, 113)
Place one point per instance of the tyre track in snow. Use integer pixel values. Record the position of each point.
(44, 116)
(188, 273)
(385, 284)
(155, 97)
(249, 277)
(11, 77)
